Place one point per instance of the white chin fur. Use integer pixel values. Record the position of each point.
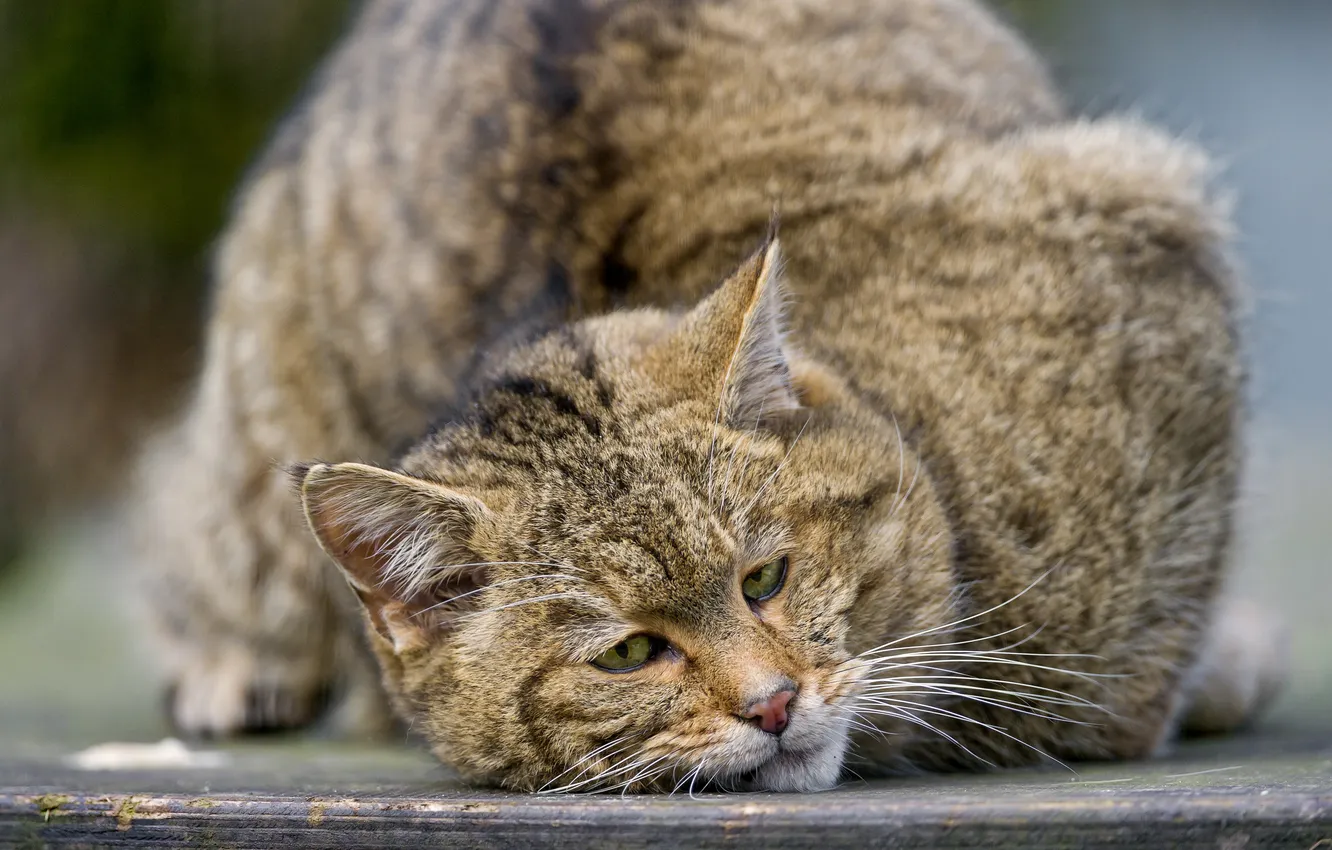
(816, 770)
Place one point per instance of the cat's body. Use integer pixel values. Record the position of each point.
(1008, 395)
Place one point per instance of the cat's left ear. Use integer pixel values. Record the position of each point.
(731, 347)
(405, 545)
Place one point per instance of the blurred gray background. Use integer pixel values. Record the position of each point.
(124, 125)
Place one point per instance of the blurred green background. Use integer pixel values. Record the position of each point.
(125, 126)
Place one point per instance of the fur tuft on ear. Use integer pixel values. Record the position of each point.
(731, 345)
(403, 544)
(760, 374)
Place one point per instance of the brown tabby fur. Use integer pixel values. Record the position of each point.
(986, 395)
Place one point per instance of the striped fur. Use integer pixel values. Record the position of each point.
(998, 373)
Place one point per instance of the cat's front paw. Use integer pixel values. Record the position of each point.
(1242, 670)
(219, 698)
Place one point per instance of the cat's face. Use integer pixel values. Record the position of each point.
(645, 558)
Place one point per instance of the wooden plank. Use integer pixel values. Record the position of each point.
(318, 795)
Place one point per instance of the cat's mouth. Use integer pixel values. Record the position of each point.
(784, 752)
(806, 758)
(804, 762)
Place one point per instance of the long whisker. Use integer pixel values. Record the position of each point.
(909, 652)
(716, 423)
(545, 598)
(980, 657)
(549, 560)
(726, 482)
(506, 564)
(750, 504)
(594, 783)
(730, 461)
(744, 467)
(856, 722)
(683, 779)
(915, 476)
(1034, 692)
(1042, 694)
(871, 654)
(968, 618)
(601, 749)
(990, 726)
(925, 690)
(627, 762)
(640, 768)
(905, 714)
(996, 653)
(486, 587)
(1028, 694)
(640, 763)
(901, 465)
(698, 771)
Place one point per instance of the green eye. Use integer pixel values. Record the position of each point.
(629, 654)
(764, 582)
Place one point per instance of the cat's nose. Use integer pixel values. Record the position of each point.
(769, 713)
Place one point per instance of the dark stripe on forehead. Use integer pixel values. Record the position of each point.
(502, 460)
(871, 497)
(564, 404)
(852, 507)
(527, 386)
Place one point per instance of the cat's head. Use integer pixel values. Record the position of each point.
(647, 555)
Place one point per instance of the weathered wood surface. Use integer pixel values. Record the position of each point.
(1229, 795)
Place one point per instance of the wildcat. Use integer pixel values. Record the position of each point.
(939, 476)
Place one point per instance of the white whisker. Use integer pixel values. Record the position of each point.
(904, 714)
(716, 423)
(628, 762)
(1042, 694)
(726, 482)
(641, 769)
(486, 587)
(999, 730)
(545, 598)
(915, 476)
(1024, 698)
(981, 657)
(856, 722)
(925, 690)
(698, 771)
(873, 653)
(750, 504)
(599, 750)
(968, 618)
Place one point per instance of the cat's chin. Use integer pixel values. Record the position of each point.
(788, 771)
(806, 769)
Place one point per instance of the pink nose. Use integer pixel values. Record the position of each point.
(771, 712)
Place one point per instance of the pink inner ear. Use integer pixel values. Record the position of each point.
(411, 621)
(394, 610)
(395, 537)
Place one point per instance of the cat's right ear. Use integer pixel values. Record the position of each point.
(729, 349)
(403, 543)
